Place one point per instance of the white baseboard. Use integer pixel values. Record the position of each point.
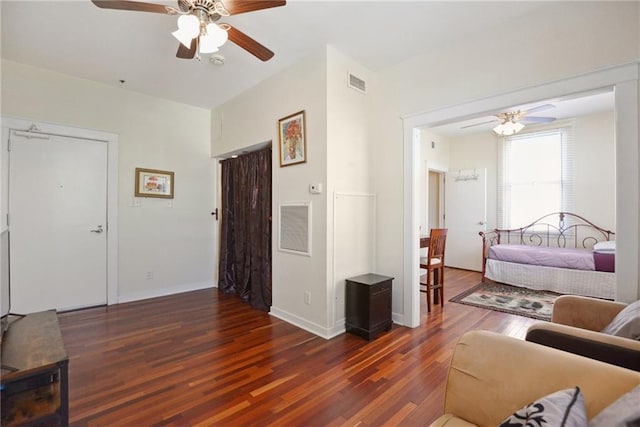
(397, 318)
(314, 328)
(155, 293)
(326, 333)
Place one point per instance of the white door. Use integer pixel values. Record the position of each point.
(57, 216)
(465, 216)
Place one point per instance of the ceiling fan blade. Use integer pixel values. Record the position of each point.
(539, 108)
(235, 7)
(247, 43)
(481, 123)
(530, 119)
(189, 53)
(132, 5)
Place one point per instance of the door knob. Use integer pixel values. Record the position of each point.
(480, 222)
(98, 230)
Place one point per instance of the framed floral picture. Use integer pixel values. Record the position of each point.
(154, 183)
(293, 139)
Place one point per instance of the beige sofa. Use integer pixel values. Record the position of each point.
(575, 327)
(491, 376)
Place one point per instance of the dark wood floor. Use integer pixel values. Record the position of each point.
(201, 358)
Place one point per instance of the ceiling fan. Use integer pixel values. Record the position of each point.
(198, 30)
(512, 122)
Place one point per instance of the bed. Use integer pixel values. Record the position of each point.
(560, 252)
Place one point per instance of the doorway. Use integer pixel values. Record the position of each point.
(435, 204)
(624, 81)
(245, 229)
(59, 199)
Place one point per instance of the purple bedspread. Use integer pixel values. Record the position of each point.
(576, 259)
(605, 261)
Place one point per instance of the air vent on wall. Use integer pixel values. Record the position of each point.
(295, 228)
(357, 83)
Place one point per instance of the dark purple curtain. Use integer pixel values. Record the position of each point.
(245, 240)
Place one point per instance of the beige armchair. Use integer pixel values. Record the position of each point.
(491, 376)
(575, 327)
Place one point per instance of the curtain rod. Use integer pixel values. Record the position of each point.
(247, 153)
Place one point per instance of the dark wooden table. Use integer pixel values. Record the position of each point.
(34, 384)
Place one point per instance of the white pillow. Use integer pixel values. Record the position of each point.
(626, 323)
(623, 412)
(564, 408)
(605, 247)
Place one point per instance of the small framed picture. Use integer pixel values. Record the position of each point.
(293, 139)
(154, 183)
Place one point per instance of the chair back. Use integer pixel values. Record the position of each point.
(437, 243)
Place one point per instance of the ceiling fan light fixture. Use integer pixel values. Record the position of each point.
(183, 38)
(189, 24)
(217, 34)
(213, 39)
(508, 127)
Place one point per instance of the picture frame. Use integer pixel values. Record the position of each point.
(293, 139)
(154, 183)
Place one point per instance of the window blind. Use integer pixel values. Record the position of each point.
(535, 175)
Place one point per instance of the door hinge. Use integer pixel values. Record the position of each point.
(7, 220)
(9, 144)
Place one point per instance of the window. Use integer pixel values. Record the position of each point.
(535, 176)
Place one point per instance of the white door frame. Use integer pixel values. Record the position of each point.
(624, 79)
(112, 184)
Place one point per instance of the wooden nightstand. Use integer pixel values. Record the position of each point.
(368, 305)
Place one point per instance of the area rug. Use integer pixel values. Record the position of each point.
(509, 299)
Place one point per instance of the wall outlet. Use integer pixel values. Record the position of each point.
(307, 297)
(149, 275)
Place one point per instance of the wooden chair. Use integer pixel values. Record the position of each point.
(434, 263)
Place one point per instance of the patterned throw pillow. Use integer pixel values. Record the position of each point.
(627, 323)
(563, 408)
(624, 412)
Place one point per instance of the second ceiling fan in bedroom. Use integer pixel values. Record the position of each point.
(198, 28)
(512, 122)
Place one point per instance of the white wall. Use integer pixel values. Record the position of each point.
(595, 169)
(561, 40)
(351, 206)
(252, 118)
(339, 152)
(175, 243)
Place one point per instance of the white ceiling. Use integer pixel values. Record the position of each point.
(79, 39)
